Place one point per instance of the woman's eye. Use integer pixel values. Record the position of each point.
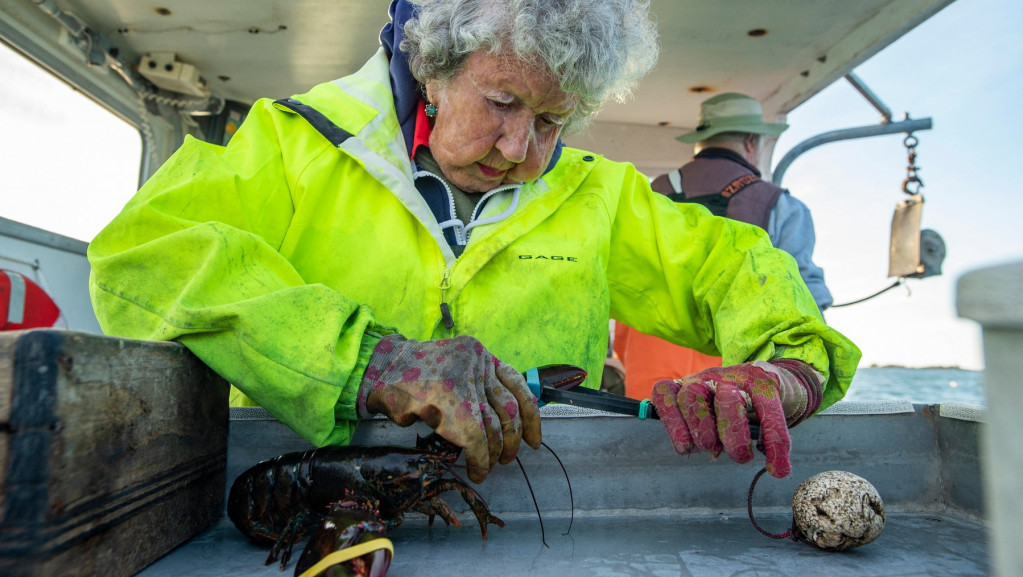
(500, 105)
(551, 121)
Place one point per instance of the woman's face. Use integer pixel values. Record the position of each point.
(497, 122)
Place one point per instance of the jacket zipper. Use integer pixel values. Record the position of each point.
(445, 312)
(463, 238)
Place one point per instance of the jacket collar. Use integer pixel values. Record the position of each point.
(728, 155)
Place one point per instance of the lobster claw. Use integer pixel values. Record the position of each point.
(351, 539)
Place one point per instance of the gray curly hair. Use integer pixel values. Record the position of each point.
(599, 49)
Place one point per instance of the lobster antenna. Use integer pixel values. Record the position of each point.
(543, 536)
(571, 498)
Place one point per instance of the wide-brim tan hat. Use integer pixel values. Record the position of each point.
(731, 112)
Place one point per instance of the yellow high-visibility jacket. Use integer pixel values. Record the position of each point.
(280, 260)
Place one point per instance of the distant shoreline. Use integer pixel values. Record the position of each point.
(935, 367)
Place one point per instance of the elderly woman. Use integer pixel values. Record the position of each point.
(407, 239)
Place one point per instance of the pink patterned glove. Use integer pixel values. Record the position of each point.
(708, 411)
(460, 390)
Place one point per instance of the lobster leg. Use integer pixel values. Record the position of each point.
(434, 507)
(473, 499)
(292, 532)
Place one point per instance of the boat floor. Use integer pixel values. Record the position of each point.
(712, 545)
(640, 509)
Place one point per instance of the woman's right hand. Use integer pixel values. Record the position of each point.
(459, 389)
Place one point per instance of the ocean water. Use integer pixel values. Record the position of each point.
(927, 386)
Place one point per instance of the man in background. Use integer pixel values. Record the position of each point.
(723, 176)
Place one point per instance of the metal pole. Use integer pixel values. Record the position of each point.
(907, 126)
(861, 87)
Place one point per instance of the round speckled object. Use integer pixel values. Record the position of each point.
(836, 510)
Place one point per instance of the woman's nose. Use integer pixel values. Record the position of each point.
(516, 137)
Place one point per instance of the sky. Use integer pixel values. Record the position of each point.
(963, 68)
(62, 169)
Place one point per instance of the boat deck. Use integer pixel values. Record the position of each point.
(701, 545)
(642, 510)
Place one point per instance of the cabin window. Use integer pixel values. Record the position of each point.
(68, 164)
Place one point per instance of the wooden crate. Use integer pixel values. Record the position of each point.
(112, 452)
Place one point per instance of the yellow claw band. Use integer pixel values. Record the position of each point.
(348, 554)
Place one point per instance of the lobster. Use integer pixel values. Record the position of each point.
(349, 496)
(352, 495)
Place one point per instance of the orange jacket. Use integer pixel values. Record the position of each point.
(648, 359)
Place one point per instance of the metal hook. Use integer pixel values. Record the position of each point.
(912, 184)
(911, 180)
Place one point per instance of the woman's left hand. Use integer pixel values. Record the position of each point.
(709, 411)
